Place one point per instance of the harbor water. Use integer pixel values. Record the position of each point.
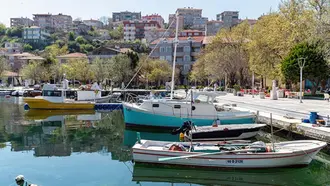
(87, 148)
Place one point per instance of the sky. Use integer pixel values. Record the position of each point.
(94, 9)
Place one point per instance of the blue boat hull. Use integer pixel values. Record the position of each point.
(136, 118)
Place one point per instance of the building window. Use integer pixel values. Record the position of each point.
(168, 58)
(196, 34)
(186, 49)
(168, 49)
(162, 57)
(186, 58)
(162, 49)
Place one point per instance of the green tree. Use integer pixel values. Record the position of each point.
(81, 40)
(316, 68)
(14, 32)
(276, 33)
(27, 48)
(35, 70)
(79, 69)
(100, 69)
(161, 71)
(117, 33)
(120, 69)
(54, 50)
(2, 29)
(3, 65)
(73, 46)
(71, 36)
(85, 48)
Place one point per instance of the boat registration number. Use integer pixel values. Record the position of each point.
(234, 161)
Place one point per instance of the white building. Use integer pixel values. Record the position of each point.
(93, 23)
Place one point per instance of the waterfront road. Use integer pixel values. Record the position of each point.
(280, 107)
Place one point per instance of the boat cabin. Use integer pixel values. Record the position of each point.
(197, 103)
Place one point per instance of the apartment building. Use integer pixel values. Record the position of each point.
(13, 47)
(189, 14)
(35, 34)
(172, 21)
(199, 23)
(62, 22)
(136, 29)
(126, 16)
(43, 20)
(213, 27)
(187, 52)
(229, 18)
(154, 17)
(21, 22)
(93, 23)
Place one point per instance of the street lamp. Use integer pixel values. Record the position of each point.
(301, 63)
(252, 84)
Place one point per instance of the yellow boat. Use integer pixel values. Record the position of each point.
(44, 114)
(54, 99)
(41, 103)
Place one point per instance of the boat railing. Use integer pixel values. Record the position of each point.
(131, 98)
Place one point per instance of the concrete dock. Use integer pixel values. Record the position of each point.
(286, 113)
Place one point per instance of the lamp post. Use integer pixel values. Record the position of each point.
(252, 84)
(301, 63)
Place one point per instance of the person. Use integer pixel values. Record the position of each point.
(21, 181)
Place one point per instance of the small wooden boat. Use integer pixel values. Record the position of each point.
(252, 155)
(223, 132)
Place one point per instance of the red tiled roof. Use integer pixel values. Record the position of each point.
(10, 74)
(74, 55)
(24, 54)
(208, 39)
(194, 38)
(191, 31)
(33, 58)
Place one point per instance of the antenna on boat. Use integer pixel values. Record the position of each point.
(176, 42)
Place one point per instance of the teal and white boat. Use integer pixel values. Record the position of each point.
(169, 113)
(200, 109)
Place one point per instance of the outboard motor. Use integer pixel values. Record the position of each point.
(187, 125)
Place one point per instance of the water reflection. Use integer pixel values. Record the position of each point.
(51, 133)
(315, 174)
(81, 141)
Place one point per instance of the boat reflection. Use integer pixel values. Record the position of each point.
(312, 175)
(130, 136)
(62, 133)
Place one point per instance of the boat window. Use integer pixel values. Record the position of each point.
(193, 108)
(201, 99)
(177, 106)
(52, 93)
(155, 105)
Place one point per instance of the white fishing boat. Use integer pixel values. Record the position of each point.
(253, 155)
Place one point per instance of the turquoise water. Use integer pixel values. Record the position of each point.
(85, 149)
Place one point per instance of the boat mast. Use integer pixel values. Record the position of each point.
(176, 42)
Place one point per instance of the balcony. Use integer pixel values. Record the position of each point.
(195, 54)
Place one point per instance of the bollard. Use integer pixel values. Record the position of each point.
(257, 116)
